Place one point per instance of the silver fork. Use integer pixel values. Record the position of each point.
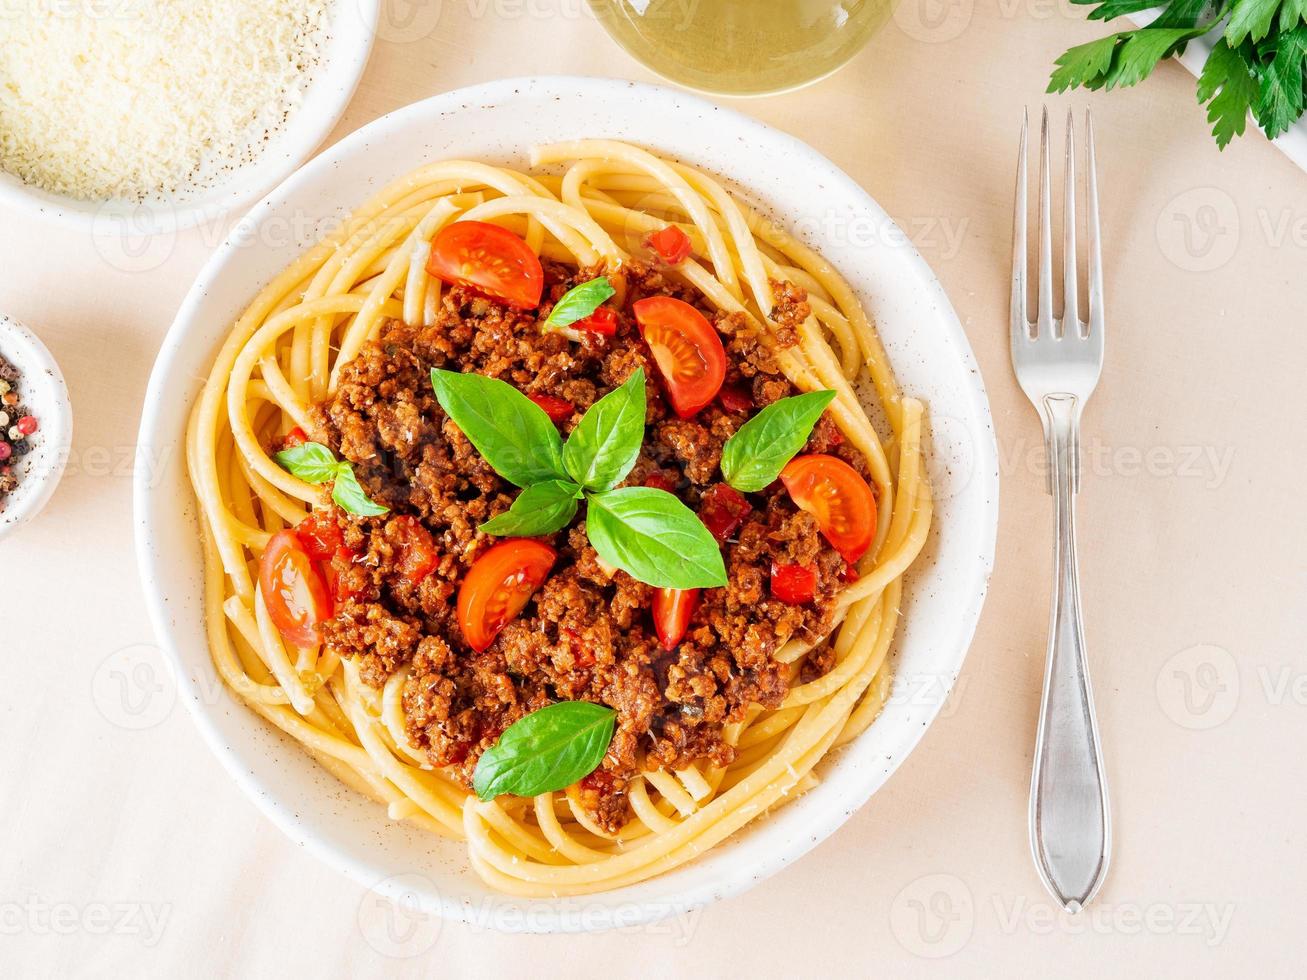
(1057, 363)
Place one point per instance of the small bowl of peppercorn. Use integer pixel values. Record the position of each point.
(36, 425)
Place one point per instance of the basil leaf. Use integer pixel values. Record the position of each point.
(350, 496)
(578, 303)
(651, 535)
(759, 450)
(311, 462)
(513, 433)
(540, 509)
(548, 750)
(606, 442)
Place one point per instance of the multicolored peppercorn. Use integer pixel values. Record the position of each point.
(17, 424)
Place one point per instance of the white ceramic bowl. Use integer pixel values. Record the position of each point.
(44, 394)
(353, 31)
(497, 122)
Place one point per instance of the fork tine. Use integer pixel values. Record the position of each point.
(1092, 233)
(1044, 325)
(1020, 317)
(1070, 286)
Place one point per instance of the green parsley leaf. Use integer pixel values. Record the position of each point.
(548, 750)
(1250, 19)
(540, 509)
(1083, 64)
(513, 433)
(349, 496)
(655, 538)
(1280, 98)
(759, 450)
(578, 303)
(1142, 50)
(1228, 87)
(1292, 13)
(606, 442)
(311, 462)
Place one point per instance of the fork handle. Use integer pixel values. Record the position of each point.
(1070, 830)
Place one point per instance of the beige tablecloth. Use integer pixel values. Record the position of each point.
(128, 851)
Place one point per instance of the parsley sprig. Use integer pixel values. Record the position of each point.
(1256, 65)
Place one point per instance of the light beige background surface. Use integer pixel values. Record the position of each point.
(127, 850)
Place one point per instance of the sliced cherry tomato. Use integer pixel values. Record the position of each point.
(498, 586)
(832, 491)
(417, 551)
(602, 320)
(295, 437)
(688, 351)
(558, 409)
(293, 590)
(735, 399)
(337, 583)
(672, 609)
(671, 243)
(319, 535)
(489, 259)
(793, 583)
(723, 509)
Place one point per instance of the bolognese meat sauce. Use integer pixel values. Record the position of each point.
(587, 633)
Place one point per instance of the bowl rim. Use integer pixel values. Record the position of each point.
(156, 433)
(247, 183)
(34, 357)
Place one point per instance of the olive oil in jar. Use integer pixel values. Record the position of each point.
(742, 47)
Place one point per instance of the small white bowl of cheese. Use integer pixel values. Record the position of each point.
(137, 118)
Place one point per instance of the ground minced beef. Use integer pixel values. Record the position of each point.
(587, 633)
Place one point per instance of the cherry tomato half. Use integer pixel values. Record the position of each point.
(319, 535)
(672, 609)
(295, 437)
(832, 491)
(723, 509)
(489, 259)
(601, 321)
(498, 586)
(417, 551)
(793, 583)
(671, 243)
(558, 409)
(293, 590)
(688, 351)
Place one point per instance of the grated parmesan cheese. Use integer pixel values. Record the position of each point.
(139, 99)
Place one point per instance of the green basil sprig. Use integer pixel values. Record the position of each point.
(512, 432)
(650, 534)
(755, 455)
(578, 303)
(647, 533)
(314, 463)
(606, 442)
(540, 509)
(548, 750)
